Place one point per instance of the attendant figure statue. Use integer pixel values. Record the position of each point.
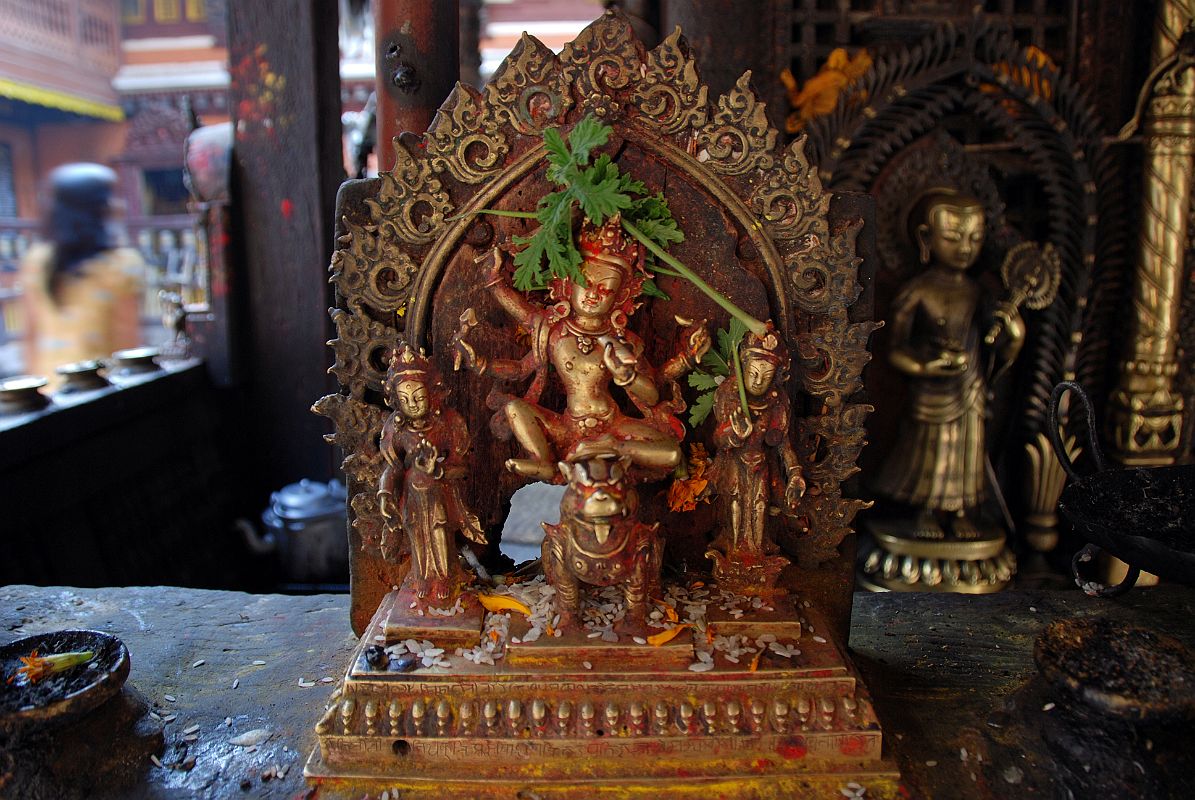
(755, 470)
(949, 349)
(583, 336)
(424, 444)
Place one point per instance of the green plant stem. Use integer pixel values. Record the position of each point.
(738, 376)
(754, 325)
(494, 212)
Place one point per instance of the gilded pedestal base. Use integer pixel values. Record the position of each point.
(580, 717)
(894, 561)
(407, 620)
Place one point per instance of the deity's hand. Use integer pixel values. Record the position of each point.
(1006, 321)
(621, 362)
(740, 424)
(494, 273)
(427, 459)
(795, 489)
(697, 340)
(462, 350)
(948, 362)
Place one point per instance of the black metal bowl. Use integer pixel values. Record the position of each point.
(67, 695)
(1143, 516)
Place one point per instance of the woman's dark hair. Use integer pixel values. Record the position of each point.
(76, 219)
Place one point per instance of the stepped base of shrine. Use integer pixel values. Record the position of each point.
(575, 716)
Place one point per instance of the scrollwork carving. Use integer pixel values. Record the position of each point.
(357, 427)
(738, 139)
(362, 347)
(371, 268)
(412, 199)
(833, 355)
(670, 94)
(823, 272)
(528, 91)
(791, 201)
(599, 64)
(464, 138)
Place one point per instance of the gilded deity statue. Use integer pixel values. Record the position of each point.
(756, 473)
(948, 346)
(583, 336)
(424, 444)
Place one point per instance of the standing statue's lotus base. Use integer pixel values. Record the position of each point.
(745, 699)
(754, 573)
(894, 559)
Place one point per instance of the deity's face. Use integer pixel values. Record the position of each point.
(953, 235)
(596, 298)
(413, 399)
(757, 375)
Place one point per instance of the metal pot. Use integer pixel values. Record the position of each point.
(305, 525)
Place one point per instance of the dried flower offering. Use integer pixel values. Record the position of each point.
(34, 667)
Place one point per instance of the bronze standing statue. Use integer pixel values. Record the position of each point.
(948, 348)
(755, 471)
(424, 445)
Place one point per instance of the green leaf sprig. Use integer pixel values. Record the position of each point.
(718, 365)
(601, 190)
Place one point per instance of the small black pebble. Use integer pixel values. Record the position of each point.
(246, 784)
(404, 663)
(375, 656)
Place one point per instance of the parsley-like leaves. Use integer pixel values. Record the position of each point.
(716, 366)
(600, 190)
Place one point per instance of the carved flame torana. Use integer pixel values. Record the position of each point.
(386, 269)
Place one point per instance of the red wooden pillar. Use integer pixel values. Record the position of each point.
(418, 64)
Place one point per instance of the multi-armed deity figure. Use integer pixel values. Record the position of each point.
(949, 349)
(424, 444)
(583, 335)
(755, 471)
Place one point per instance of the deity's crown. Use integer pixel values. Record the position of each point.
(406, 363)
(609, 244)
(768, 346)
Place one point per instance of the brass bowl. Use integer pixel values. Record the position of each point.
(135, 361)
(81, 376)
(22, 394)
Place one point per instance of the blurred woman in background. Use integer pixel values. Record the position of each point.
(82, 292)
